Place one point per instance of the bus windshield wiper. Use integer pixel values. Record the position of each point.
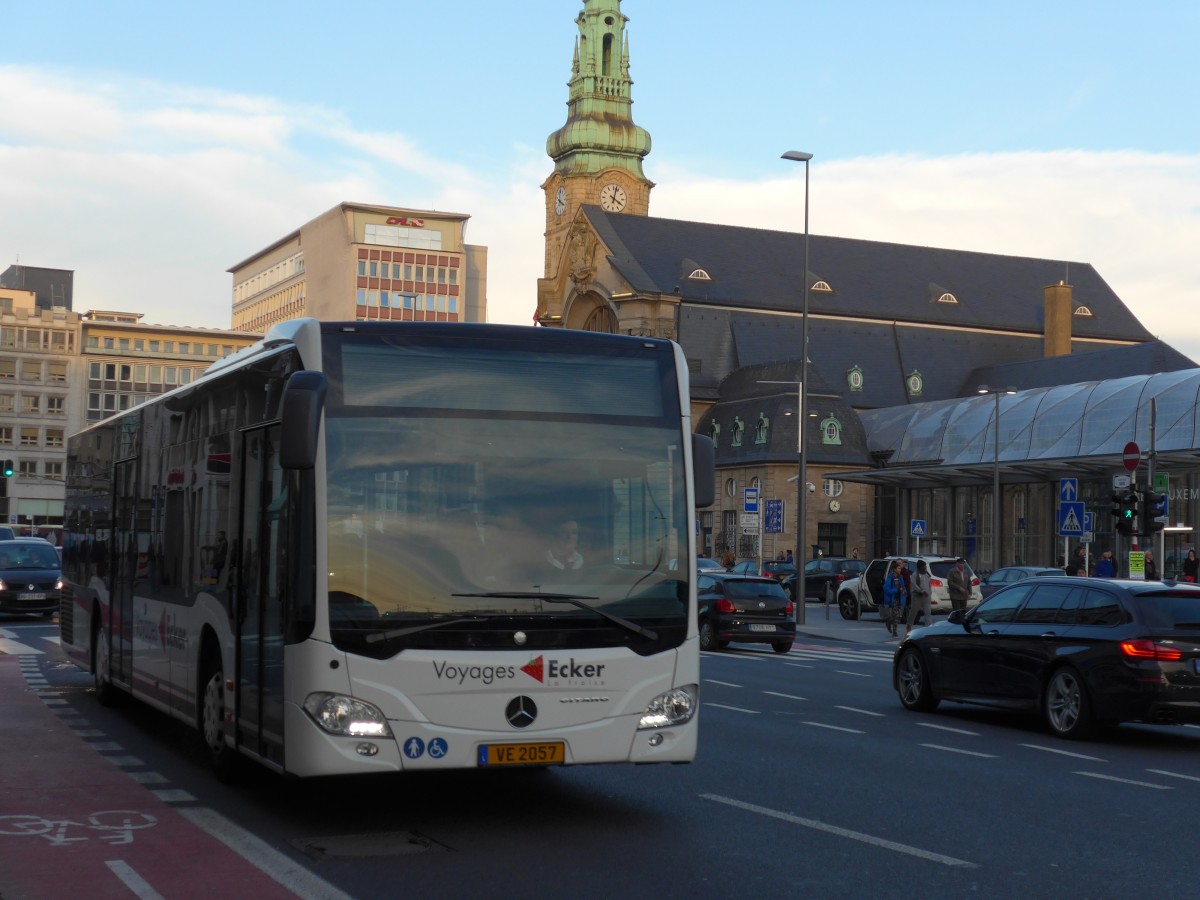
(405, 632)
(574, 600)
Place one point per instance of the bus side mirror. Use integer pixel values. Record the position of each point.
(704, 470)
(303, 402)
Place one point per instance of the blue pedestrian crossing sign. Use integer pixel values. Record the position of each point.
(1070, 519)
(918, 528)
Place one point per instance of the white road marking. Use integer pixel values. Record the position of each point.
(956, 750)
(948, 728)
(843, 832)
(835, 727)
(856, 674)
(1157, 787)
(1173, 774)
(753, 712)
(16, 648)
(798, 666)
(293, 876)
(132, 880)
(1063, 752)
(784, 696)
(722, 683)
(865, 712)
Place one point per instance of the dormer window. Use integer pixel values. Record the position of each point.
(1083, 311)
(822, 287)
(947, 297)
(699, 275)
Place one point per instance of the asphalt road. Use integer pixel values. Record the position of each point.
(811, 781)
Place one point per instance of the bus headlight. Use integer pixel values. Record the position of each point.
(675, 707)
(339, 714)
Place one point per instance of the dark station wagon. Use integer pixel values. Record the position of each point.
(1081, 652)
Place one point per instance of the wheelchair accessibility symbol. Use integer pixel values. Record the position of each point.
(438, 748)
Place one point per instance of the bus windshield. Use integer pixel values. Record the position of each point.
(484, 497)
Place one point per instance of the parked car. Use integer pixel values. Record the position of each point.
(782, 571)
(993, 581)
(30, 576)
(705, 564)
(824, 576)
(864, 593)
(745, 609)
(1079, 651)
(7, 533)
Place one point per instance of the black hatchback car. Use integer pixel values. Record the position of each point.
(30, 576)
(745, 609)
(1082, 652)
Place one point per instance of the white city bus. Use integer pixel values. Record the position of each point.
(374, 547)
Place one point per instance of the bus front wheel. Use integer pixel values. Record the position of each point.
(106, 691)
(221, 756)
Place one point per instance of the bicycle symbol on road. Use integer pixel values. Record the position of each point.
(117, 826)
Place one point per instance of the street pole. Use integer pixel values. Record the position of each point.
(801, 480)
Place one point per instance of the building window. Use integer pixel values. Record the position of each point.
(8, 369)
(56, 406)
(362, 296)
(31, 370)
(6, 435)
(54, 437)
(56, 372)
(53, 469)
(29, 437)
(31, 405)
(454, 276)
(8, 402)
(139, 344)
(154, 347)
(27, 468)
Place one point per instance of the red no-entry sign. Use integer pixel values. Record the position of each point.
(1132, 456)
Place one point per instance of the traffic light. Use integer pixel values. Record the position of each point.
(1154, 510)
(1127, 518)
(8, 468)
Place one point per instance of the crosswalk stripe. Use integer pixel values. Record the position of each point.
(16, 648)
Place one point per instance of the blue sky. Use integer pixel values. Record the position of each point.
(151, 146)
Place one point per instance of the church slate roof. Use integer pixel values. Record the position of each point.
(882, 317)
(754, 268)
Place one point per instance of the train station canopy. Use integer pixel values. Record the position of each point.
(1073, 430)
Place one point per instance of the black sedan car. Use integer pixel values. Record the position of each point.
(824, 575)
(1082, 652)
(30, 576)
(745, 609)
(1011, 575)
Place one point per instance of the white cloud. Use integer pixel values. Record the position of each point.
(154, 192)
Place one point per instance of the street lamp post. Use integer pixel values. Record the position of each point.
(996, 392)
(801, 480)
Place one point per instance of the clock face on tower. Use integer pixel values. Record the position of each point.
(612, 198)
(560, 201)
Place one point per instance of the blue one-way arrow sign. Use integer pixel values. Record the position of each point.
(1068, 490)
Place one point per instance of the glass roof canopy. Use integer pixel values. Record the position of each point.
(1073, 430)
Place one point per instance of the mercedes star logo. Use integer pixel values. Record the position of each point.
(520, 712)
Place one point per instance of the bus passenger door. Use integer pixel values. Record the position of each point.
(123, 571)
(262, 586)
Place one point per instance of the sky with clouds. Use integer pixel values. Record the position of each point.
(149, 147)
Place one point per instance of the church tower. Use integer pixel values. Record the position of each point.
(598, 152)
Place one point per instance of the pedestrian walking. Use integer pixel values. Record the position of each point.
(919, 603)
(1191, 567)
(958, 583)
(1151, 566)
(894, 599)
(1105, 567)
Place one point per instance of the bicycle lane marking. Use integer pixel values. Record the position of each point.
(77, 815)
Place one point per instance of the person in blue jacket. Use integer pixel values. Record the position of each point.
(1105, 567)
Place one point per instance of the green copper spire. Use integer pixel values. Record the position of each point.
(599, 133)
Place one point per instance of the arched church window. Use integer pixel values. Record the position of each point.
(601, 319)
